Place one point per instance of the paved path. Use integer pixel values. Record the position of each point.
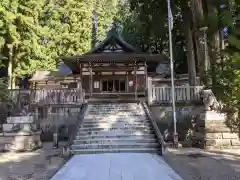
(116, 166)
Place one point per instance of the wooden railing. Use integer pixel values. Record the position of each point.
(163, 94)
(47, 96)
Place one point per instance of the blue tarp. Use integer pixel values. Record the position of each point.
(63, 69)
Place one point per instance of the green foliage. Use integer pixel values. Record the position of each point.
(34, 33)
(106, 14)
(229, 75)
(144, 26)
(19, 30)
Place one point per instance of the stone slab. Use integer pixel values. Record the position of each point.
(7, 127)
(218, 142)
(20, 120)
(230, 135)
(21, 133)
(213, 116)
(217, 129)
(119, 166)
(235, 142)
(214, 135)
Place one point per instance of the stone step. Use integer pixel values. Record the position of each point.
(117, 109)
(115, 124)
(120, 136)
(115, 146)
(99, 116)
(127, 111)
(116, 132)
(116, 113)
(123, 150)
(116, 104)
(122, 128)
(110, 121)
(112, 118)
(116, 141)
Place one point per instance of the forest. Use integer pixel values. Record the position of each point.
(34, 33)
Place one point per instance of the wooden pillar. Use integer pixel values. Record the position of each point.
(146, 77)
(135, 81)
(90, 79)
(150, 99)
(127, 81)
(80, 75)
(80, 87)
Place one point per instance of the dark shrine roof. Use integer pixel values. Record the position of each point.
(113, 49)
(116, 42)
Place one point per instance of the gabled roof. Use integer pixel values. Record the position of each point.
(46, 76)
(113, 39)
(113, 49)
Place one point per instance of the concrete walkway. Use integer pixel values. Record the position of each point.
(116, 166)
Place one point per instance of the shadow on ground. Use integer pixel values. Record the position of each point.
(35, 165)
(204, 165)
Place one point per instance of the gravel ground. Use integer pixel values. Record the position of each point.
(30, 165)
(190, 164)
(196, 164)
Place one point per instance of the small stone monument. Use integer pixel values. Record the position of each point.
(22, 134)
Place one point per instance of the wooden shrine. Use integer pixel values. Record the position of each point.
(113, 68)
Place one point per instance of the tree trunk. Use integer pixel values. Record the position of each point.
(214, 43)
(11, 65)
(198, 22)
(186, 13)
(10, 69)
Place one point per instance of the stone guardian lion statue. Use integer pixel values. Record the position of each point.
(209, 100)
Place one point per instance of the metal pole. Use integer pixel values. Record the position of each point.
(175, 134)
(205, 51)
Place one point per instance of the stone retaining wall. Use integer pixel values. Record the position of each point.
(60, 119)
(218, 135)
(210, 129)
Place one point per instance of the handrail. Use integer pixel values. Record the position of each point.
(78, 124)
(155, 127)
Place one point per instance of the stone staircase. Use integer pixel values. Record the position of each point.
(112, 127)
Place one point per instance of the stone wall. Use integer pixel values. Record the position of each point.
(209, 128)
(164, 118)
(219, 135)
(57, 119)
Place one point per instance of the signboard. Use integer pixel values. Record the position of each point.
(130, 83)
(96, 84)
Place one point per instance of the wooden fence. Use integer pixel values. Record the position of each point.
(47, 96)
(163, 94)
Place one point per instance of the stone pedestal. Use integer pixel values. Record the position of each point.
(22, 141)
(21, 134)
